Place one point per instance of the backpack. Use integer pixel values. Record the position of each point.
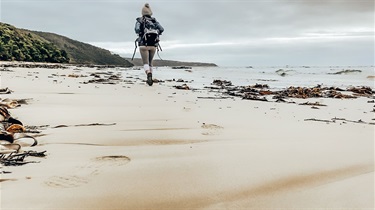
(149, 33)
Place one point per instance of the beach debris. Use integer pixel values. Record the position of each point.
(222, 83)
(347, 71)
(5, 69)
(13, 140)
(36, 129)
(80, 125)
(312, 104)
(279, 99)
(13, 103)
(157, 80)
(118, 159)
(210, 97)
(17, 159)
(35, 65)
(5, 91)
(9, 148)
(182, 87)
(370, 77)
(267, 80)
(76, 75)
(4, 114)
(211, 129)
(211, 126)
(253, 92)
(13, 131)
(366, 91)
(335, 119)
(8, 103)
(181, 67)
(249, 96)
(109, 78)
(261, 86)
(101, 81)
(283, 72)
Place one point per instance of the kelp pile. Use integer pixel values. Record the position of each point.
(16, 159)
(14, 137)
(260, 91)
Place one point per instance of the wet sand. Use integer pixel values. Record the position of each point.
(162, 148)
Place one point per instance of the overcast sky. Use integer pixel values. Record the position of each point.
(228, 33)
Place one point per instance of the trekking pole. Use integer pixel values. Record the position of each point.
(135, 49)
(159, 47)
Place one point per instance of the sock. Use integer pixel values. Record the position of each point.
(146, 67)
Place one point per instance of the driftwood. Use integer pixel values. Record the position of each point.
(223, 97)
(5, 91)
(79, 125)
(335, 119)
(347, 71)
(312, 104)
(36, 128)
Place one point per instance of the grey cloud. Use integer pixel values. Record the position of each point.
(246, 24)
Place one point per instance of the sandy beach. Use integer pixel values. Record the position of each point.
(130, 146)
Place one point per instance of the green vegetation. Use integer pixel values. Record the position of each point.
(18, 45)
(34, 46)
(82, 53)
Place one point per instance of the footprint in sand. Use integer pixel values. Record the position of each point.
(83, 174)
(211, 129)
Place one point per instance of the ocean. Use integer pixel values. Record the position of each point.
(275, 77)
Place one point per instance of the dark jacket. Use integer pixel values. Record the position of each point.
(138, 27)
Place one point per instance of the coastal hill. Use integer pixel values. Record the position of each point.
(21, 45)
(34, 46)
(83, 53)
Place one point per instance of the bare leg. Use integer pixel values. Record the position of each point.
(152, 51)
(147, 54)
(145, 58)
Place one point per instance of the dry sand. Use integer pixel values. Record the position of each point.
(170, 150)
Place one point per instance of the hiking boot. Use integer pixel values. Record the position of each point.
(149, 79)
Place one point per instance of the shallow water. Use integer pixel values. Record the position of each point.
(295, 76)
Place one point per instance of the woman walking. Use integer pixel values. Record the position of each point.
(148, 30)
